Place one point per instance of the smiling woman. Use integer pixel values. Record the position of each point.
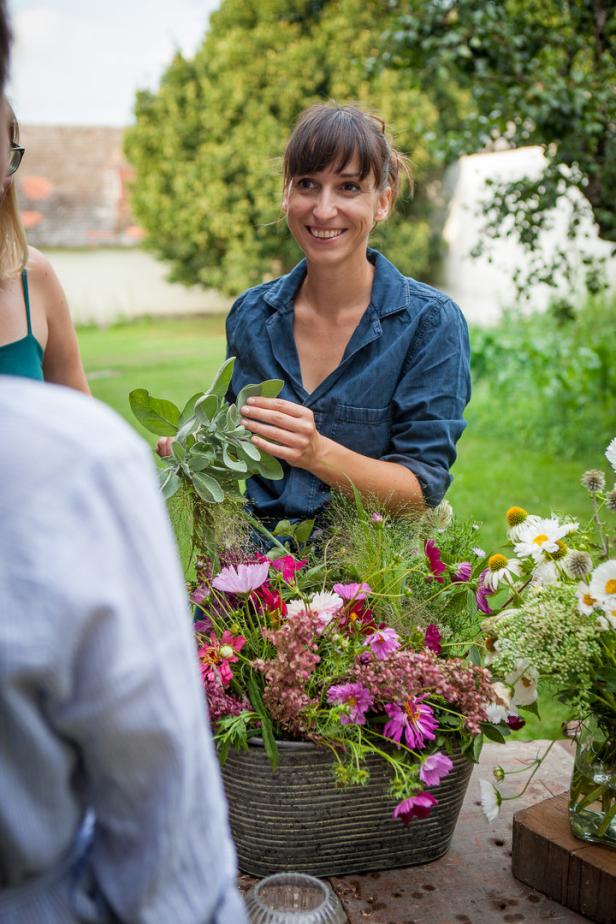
(375, 364)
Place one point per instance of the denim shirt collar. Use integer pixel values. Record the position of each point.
(390, 289)
(390, 293)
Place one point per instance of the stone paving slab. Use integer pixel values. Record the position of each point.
(472, 883)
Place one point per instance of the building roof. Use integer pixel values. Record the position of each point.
(72, 187)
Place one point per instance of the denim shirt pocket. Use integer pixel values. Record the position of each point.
(366, 430)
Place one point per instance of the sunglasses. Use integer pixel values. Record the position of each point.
(16, 152)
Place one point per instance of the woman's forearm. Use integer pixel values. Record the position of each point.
(393, 484)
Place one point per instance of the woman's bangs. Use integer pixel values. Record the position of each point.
(328, 144)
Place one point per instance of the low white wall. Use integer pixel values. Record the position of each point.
(105, 285)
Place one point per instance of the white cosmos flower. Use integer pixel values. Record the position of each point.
(325, 605)
(541, 536)
(295, 607)
(545, 573)
(586, 601)
(501, 568)
(523, 679)
(491, 800)
(610, 453)
(500, 708)
(603, 584)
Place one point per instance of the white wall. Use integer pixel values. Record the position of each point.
(481, 288)
(105, 285)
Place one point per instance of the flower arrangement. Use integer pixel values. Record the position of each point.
(335, 641)
(550, 615)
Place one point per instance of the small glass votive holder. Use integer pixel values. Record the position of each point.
(294, 898)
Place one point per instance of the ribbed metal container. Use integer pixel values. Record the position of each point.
(297, 819)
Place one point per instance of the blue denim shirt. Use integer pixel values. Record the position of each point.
(398, 394)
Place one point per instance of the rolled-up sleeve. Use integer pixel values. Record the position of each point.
(429, 401)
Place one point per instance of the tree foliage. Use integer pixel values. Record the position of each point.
(533, 72)
(207, 145)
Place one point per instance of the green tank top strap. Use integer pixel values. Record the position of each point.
(24, 285)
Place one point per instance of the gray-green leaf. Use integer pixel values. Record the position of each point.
(208, 488)
(222, 379)
(155, 414)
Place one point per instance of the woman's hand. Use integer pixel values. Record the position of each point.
(163, 446)
(284, 430)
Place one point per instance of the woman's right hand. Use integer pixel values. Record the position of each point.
(163, 446)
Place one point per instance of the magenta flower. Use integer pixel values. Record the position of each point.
(352, 591)
(432, 638)
(287, 565)
(482, 593)
(415, 807)
(414, 720)
(377, 517)
(383, 642)
(434, 768)
(199, 594)
(243, 579)
(437, 565)
(463, 572)
(356, 699)
(515, 722)
(216, 657)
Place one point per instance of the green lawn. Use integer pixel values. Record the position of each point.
(175, 357)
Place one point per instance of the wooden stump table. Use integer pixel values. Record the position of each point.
(547, 857)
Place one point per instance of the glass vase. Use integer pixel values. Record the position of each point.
(592, 801)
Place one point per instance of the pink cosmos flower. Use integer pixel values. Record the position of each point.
(287, 565)
(243, 579)
(434, 768)
(383, 642)
(215, 659)
(437, 565)
(415, 807)
(355, 697)
(463, 572)
(414, 720)
(352, 591)
(432, 638)
(203, 626)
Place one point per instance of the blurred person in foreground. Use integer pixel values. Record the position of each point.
(111, 804)
(37, 338)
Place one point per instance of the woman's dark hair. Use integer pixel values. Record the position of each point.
(327, 135)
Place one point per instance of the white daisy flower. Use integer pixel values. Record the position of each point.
(607, 621)
(541, 536)
(491, 800)
(603, 584)
(501, 568)
(586, 601)
(610, 453)
(480, 553)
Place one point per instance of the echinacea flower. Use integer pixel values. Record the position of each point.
(603, 584)
(383, 642)
(586, 601)
(491, 800)
(540, 537)
(610, 453)
(577, 564)
(437, 565)
(216, 657)
(500, 568)
(356, 699)
(462, 573)
(287, 566)
(610, 500)
(418, 806)
(434, 768)
(243, 579)
(413, 720)
(432, 638)
(352, 591)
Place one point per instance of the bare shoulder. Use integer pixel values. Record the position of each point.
(38, 266)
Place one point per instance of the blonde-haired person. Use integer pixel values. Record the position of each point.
(37, 338)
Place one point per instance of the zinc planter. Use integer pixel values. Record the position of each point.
(297, 819)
